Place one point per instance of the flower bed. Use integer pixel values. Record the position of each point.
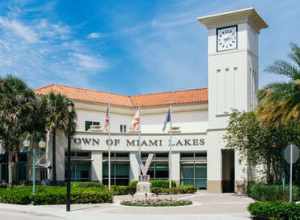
(156, 202)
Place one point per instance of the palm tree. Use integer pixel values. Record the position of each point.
(16, 100)
(279, 103)
(58, 119)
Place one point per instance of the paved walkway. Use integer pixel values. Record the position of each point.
(205, 206)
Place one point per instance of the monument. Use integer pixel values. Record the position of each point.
(143, 187)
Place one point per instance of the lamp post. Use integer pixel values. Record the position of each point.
(27, 142)
(68, 203)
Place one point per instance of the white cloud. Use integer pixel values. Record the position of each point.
(94, 35)
(43, 51)
(89, 62)
(19, 29)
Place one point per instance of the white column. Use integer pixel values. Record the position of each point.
(134, 166)
(61, 144)
(96, 166)
(214, 161)
(174, 167)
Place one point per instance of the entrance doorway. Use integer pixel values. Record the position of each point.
(228, 170)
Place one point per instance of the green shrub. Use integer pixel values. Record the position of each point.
(162, 183)
(132, 187)
(263, 192)
(182, 189)
(54, 195)
(274, 210)
(120, 190)
(16, 195)
(87, 184)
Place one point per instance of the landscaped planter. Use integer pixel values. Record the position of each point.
(156, 203)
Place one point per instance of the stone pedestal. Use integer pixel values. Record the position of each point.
(143, 189)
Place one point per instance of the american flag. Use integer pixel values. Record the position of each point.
(136, 121)
(107, 119)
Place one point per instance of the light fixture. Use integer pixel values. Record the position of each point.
(70, 106)
(42, 144)
(26, 143)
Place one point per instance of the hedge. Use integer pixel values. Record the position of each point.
(16, 195)
(54, 195)
(263, 192)
(162, 183)
(274, 210)
(182, 189)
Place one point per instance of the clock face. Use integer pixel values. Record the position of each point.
(227, 38)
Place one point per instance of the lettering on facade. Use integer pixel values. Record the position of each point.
(137, 142)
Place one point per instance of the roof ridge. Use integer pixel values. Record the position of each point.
(118, 94)
(174, 91)
(156, 98)
(46, 86)
(87, 89)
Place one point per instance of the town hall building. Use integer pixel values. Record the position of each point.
(192, 150)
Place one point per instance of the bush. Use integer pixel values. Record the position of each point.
(182, 189)
(274, 210)
(54, 195)
(263, 192)
(162, 183)
(16, 195)
(87, 184)
(132, 187)
(120, 190)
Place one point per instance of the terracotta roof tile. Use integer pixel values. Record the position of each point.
(167, 98)
(153, 99)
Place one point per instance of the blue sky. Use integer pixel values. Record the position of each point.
(127, 46)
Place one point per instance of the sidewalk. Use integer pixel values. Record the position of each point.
(205, 206)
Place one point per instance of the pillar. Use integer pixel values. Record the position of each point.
(134, 166)
(174, 167)
(214, 162)
(96, 166)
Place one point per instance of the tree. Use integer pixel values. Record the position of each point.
(279, 103)
(58, 118)
(258, 143)
(16, 104)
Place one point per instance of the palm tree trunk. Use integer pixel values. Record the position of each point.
(10, 169)
(54, 156)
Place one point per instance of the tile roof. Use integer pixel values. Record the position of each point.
(145, 100)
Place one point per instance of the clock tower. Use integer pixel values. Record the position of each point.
(232, 80)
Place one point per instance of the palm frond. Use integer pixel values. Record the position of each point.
(284, 68)
(295, 54)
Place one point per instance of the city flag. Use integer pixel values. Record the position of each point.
(107, 119)
(168, 119)
(136, 121)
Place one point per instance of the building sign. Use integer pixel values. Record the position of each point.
(131, 141)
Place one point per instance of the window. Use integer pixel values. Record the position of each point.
(80, 170)
(123, 129)
(89, 124)
(120, 168)
(159, 168)
(193, 168)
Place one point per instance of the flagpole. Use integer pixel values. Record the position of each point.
(170, 148)
(109, 159)
(140, 148)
